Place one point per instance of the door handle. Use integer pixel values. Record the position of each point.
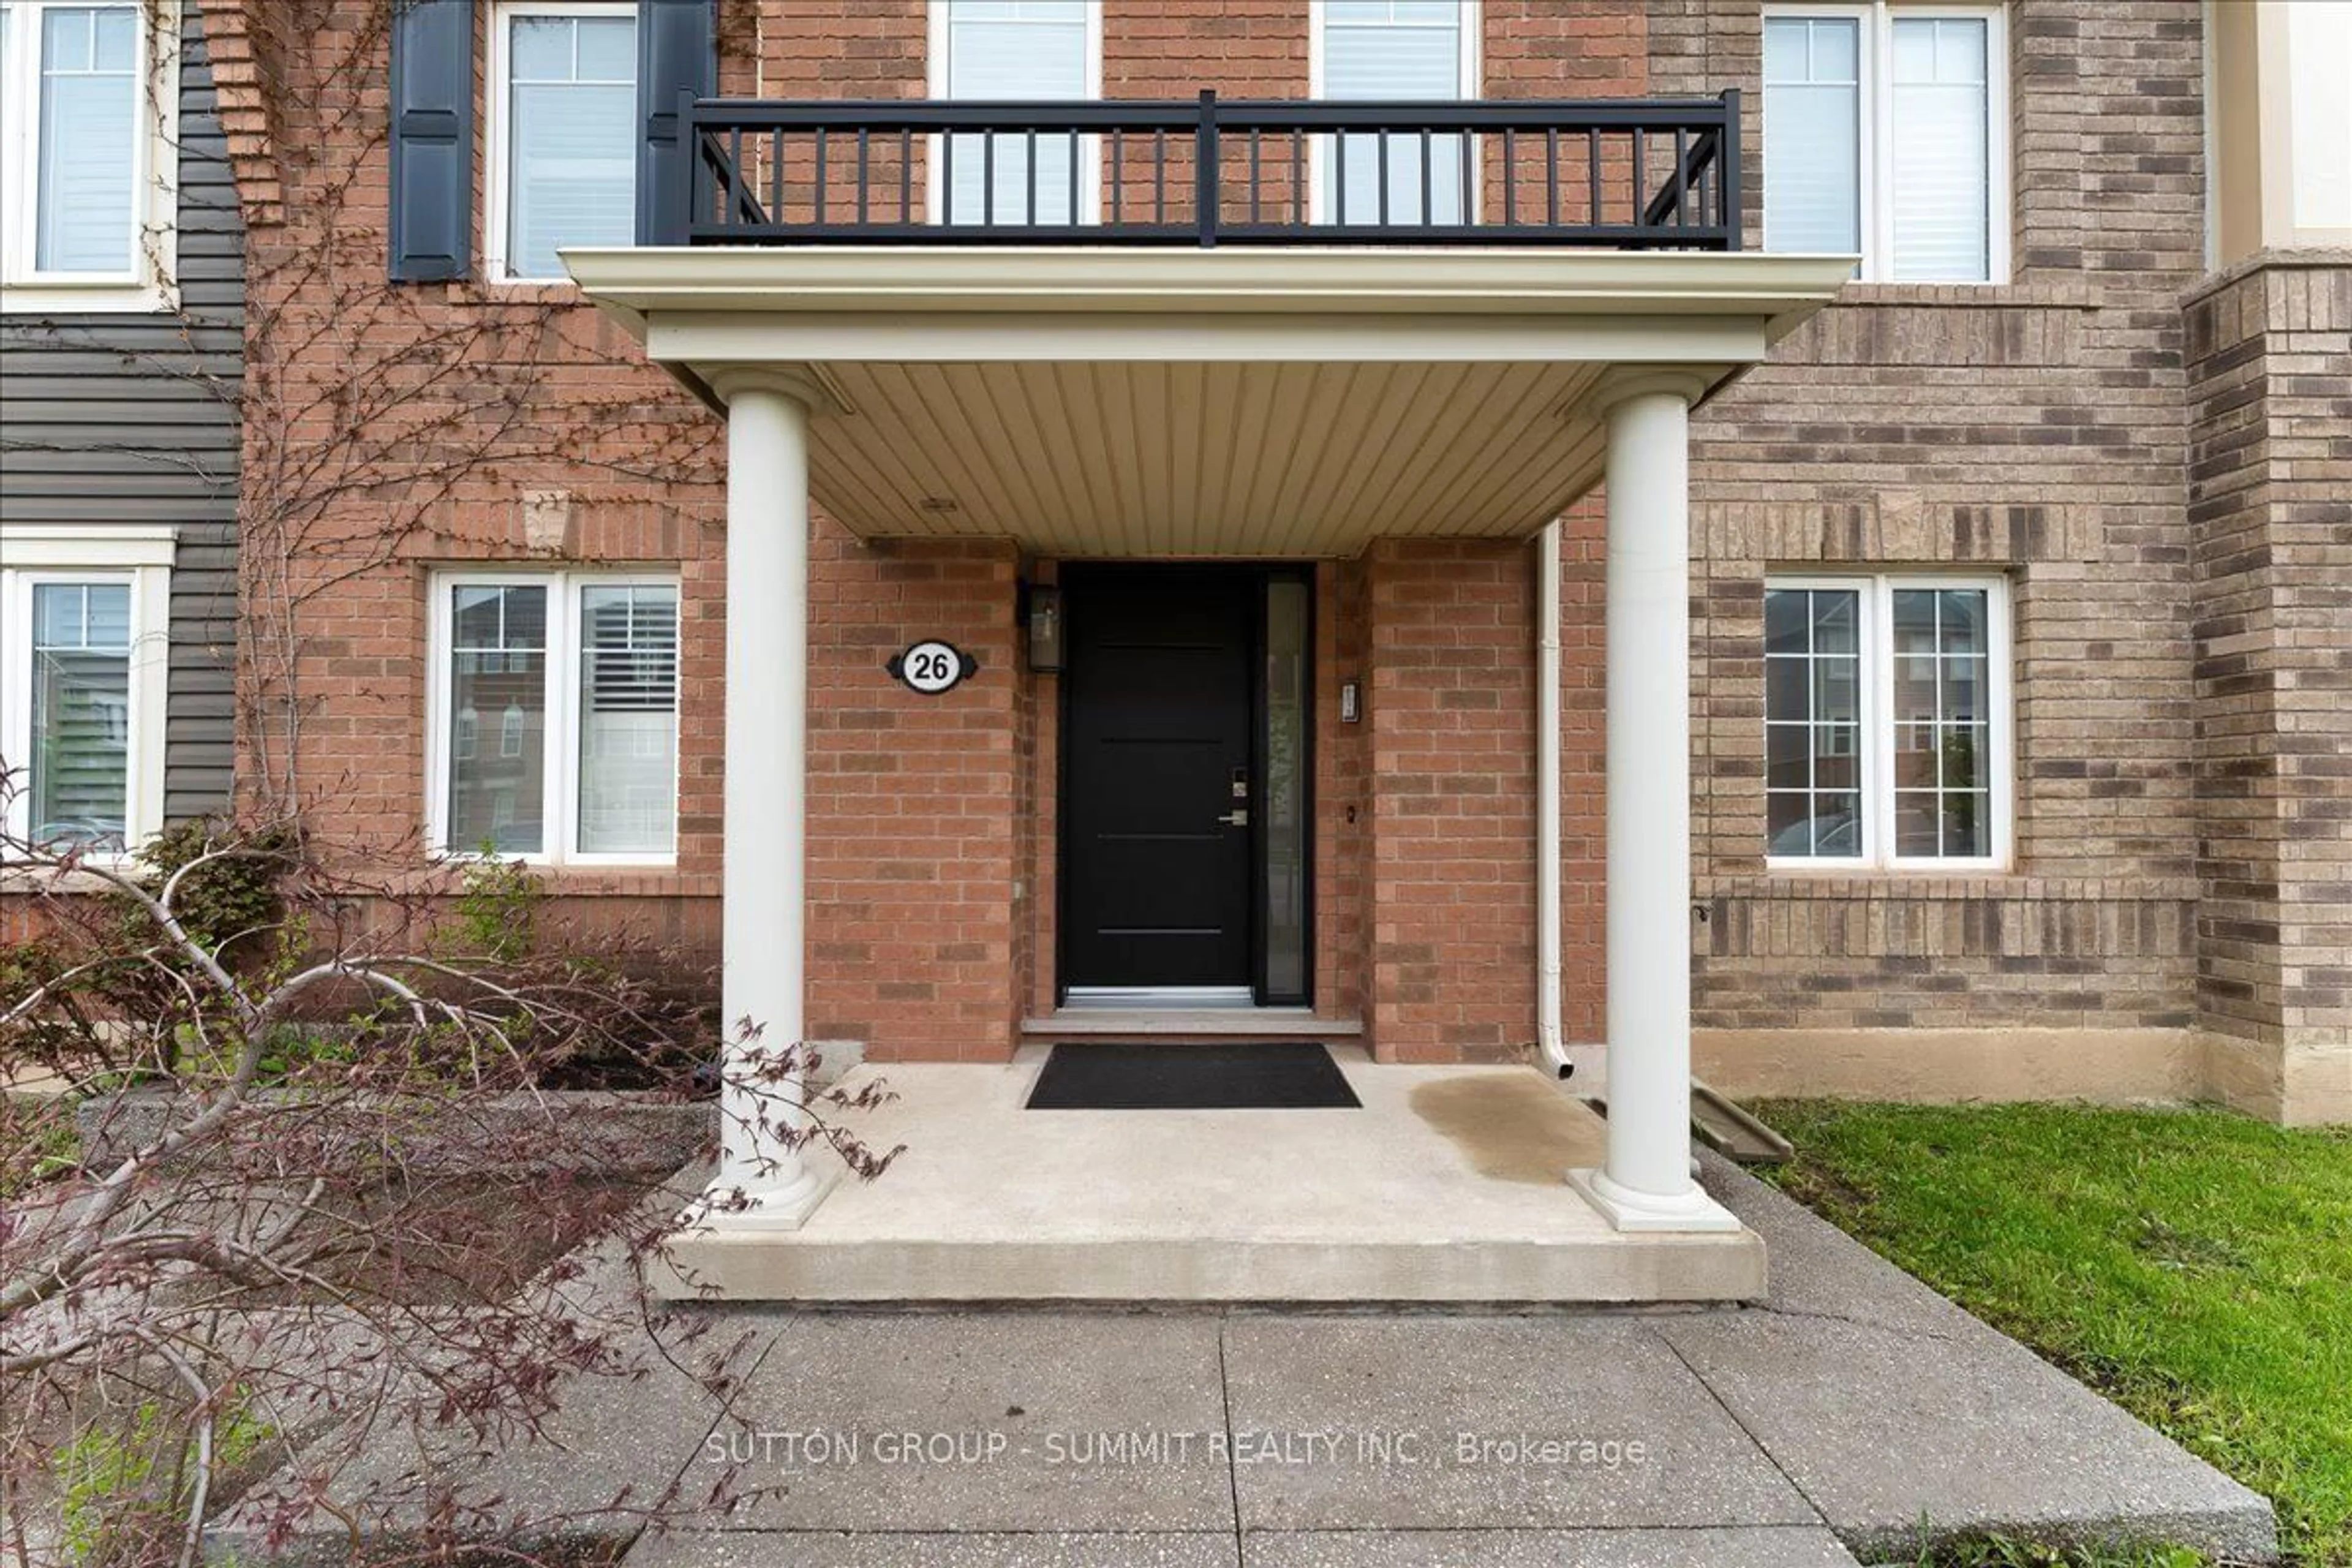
(1237, 817)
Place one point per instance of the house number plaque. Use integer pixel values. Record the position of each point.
(932, 668)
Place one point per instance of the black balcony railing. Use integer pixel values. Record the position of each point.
(1640, 174)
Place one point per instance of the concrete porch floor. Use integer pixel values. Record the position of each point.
(1445, 1186)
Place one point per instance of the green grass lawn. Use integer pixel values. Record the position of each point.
(2194, 1265)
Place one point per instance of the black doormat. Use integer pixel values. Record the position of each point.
(1288, 1075)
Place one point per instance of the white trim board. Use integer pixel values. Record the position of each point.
(36, 544)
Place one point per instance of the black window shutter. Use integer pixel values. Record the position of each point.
(431, 139)
(678, 51)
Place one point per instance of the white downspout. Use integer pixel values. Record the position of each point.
(1550, 1049)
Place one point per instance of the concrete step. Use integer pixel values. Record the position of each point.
(1445, 1186)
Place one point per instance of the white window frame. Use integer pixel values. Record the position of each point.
(559, 770)
(1876, 198)
(1470, 85)
(1875, 618)
(140, 557)
(497, 87)
(150, 282)
(937, 86)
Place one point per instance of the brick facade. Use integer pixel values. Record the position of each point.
(2033, 431)
(2180, 862)
(2270, 360)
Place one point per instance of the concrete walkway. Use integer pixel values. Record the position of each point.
(1821, 1427)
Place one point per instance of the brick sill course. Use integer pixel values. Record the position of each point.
(1850, 885)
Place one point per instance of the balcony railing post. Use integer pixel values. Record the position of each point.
(1206, 175)
(680, 200)
(1727, 177)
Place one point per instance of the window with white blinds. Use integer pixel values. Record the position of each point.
(555, 723)
(83, 667)
(628, 717)
(1885, 136)
(85, 173)
(1016, 51)
(1394, 50)
(564, 133)
(1812, 133)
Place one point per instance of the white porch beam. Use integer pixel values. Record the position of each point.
(1646, 1183)
(764, 877)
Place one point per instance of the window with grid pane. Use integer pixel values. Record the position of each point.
(1942, 723)
(1393, 50)
(558, 702)
(569, 131)
(1016, 50)
(498, 676)
(80, 714)
(1812, 750)
(1884, 713)
(1884, 136)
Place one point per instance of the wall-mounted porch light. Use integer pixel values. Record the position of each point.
(1044, 629)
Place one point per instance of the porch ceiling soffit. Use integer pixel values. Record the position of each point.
(1252, 402)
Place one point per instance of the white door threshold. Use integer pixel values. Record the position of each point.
(1245, 1023)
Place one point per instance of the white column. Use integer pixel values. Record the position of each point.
(1646, 1183)
(764, 880)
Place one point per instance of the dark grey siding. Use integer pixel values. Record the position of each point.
(132, 419)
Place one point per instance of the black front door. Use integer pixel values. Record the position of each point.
(1156, 839)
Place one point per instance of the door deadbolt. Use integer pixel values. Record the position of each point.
(1237, 817)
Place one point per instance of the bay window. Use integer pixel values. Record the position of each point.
(88, 95)
(82, 685)
(554, 716)
(564, 133)
(1885, 721)
(1885, 135)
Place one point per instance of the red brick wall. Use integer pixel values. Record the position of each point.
(1037, 823)
(1241, 48)
(911, 855)
(1451, 784)
(932, 820)
(832, 48)
(1343, 834)
(1583, 772)
(1453, 779)
(911, 841)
